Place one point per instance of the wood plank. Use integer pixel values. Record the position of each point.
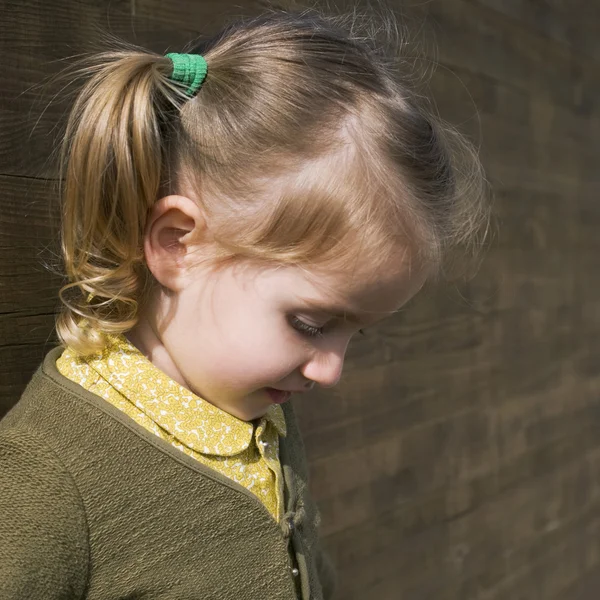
(514, 55)
(206, 17)
(29, 223)
(574, 24)
(29, 280)
(36, 40)
(445, 546)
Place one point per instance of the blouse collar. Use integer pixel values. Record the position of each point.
(194, 422)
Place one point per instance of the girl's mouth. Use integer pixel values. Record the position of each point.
(278, 396)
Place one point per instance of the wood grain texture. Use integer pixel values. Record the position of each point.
(459, 458)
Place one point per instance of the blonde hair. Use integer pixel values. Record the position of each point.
(306, 144)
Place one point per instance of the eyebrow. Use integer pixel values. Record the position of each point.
(335, 310)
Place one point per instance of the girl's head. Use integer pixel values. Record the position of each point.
(304, 168)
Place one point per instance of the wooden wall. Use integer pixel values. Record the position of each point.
(460, 456)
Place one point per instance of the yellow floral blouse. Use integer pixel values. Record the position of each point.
(245, 452)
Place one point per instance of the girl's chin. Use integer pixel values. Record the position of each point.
(253, 407)
(256, 404)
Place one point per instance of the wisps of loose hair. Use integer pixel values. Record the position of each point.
(307, 144)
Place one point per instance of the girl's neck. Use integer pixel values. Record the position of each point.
(144, 337)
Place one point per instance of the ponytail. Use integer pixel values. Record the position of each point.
(112, 161)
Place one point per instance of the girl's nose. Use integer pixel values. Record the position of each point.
(325, 368)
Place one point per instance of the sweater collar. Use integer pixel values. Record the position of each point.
(193, 421)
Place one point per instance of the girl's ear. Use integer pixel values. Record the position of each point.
(175, 225)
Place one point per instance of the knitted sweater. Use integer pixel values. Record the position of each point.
(93, 506)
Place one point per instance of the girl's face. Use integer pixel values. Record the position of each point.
(244, 338)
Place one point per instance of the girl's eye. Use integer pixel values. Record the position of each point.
(305, 328)
(311, 330)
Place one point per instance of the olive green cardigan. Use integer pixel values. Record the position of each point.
(94, 506)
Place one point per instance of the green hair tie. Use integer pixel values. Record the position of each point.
(189, 69)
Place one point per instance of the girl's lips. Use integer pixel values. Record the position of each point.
(278, 396)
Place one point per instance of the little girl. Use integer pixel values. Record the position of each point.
(232, 217)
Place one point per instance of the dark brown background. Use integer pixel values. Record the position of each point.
(460, 456)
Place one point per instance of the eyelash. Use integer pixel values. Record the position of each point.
(305, 328)
(310, 330)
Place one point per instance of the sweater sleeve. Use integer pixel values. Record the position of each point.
(43, 532)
